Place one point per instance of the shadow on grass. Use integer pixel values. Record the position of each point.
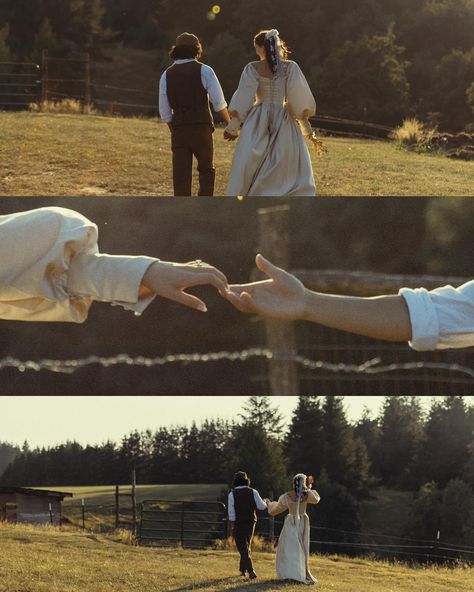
(241, 586)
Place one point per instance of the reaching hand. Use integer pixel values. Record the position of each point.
(170, 280)
(282, 296)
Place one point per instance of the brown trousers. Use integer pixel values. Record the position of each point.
(188, 141)
(243, 534)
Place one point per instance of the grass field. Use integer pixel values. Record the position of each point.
(53, 154)
(46, 559)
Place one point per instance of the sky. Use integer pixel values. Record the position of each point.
(46, 421)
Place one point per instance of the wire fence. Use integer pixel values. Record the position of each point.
(57, 79)
(202, 523)
(372, 366)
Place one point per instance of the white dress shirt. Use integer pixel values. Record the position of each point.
(210, 83)
(261, 505)
(442, 318)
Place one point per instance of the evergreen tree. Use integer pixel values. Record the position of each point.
(345, 458)
(400, 433)
(304, 441)
(7, 454)
(368, 430)
(444, 451)
(261, 456)
(258, 411)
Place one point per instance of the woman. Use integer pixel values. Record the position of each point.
(51, 270)
(271, 158)
(293, 544)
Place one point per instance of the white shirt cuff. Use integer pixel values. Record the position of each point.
(425, 327)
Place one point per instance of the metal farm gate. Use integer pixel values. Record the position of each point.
(184, 523)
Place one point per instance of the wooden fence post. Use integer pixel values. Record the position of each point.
(280, 335)
(87, 82)
(116, 506)
(134, 501)
(44, 75)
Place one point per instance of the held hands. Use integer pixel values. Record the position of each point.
(229, 137)
(282, 296)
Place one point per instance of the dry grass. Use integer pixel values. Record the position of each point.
(62, 154)
(45, 559)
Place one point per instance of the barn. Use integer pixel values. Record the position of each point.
(36, 506)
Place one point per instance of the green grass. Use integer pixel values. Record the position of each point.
(105, 494)
(46, 559)
(52, 154)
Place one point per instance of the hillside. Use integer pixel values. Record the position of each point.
(60, 154)
(44, 559)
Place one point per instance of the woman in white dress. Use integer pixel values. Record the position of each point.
(273, 103)
(51, 270)
(292, 553)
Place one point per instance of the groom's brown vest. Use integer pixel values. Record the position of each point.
(187, 96)
(244, 504)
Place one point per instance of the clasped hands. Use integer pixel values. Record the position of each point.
(280, 296)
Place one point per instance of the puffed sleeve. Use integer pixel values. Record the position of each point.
(441, 318)
(298, 94)
(312, 497)
(244, 97)
(278, 507)
(51, 268)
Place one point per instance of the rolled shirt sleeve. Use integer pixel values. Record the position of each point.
(164, 105)
(261, 505)
(231, 507)
(442, 318)
(212, 85)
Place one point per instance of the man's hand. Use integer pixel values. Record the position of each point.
(282, 296)
(228, 136)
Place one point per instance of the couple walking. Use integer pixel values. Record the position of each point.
(269, 110)
(292, 553)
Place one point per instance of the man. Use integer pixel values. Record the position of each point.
(243, 501)
(185, 90)
(437, 319)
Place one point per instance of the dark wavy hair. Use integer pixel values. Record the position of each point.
(185, 52)
(270, 49)
(241, 478)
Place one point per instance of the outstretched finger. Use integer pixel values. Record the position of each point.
(268, 268)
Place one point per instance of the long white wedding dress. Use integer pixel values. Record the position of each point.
(292, 553)
(271, 157)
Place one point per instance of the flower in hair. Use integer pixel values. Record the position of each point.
(272, 34)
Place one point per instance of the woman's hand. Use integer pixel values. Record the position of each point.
(282, 296)
(170, 280)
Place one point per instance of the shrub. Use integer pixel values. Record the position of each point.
(64, 106)
(412, 133)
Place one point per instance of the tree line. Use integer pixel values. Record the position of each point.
(429, 453)
(374, 60)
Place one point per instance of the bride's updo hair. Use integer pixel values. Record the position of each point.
(275, 48)
(301, 484)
